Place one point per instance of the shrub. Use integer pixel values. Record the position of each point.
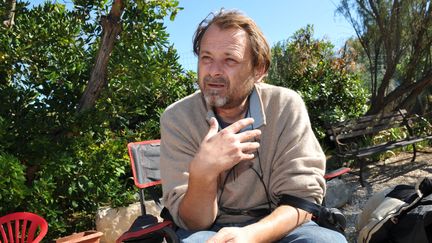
(12, 183)
(330, 90)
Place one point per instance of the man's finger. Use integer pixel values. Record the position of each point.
(248, 156)
(249, 147)
(251, 135)
(239, 125)
(214, 127)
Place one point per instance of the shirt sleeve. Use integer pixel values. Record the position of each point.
(176, 153)
(299, 162)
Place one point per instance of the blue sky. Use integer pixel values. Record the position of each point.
(278, 19)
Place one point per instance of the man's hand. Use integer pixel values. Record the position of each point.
(232, 235)
(271, 228)
(220, 151)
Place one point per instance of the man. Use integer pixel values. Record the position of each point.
(231, 150)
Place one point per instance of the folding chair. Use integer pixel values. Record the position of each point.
(144, 158)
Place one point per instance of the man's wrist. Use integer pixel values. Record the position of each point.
(198, 169)
(254, 231)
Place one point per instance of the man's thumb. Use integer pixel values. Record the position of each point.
(214, 127)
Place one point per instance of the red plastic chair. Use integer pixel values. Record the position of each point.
(22, 227)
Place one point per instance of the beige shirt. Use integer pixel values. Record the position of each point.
(291, 158)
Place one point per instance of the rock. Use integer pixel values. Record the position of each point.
(338, 193)
(113, 222)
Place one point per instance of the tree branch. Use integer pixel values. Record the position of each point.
(418, 88)
(11, 18)
(98, 80)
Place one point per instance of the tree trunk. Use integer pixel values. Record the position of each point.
(10, 21)
(412, 89)
(98, 80)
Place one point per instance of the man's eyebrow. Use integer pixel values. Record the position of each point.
(232, 53)
(204, 52)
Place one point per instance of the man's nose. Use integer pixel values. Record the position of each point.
(215, 69)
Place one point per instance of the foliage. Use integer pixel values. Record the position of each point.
(77, 182)
(71, 163)
(331, 92)
(12, 182)
(395, 40)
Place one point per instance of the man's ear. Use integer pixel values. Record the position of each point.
(259, 74)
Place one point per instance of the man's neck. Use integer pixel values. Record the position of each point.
(231, 115)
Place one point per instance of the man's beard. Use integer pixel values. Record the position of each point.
(232, 98)
(213, 98)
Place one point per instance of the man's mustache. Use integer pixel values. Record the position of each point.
(218, 80)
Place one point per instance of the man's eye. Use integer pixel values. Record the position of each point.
(230, 61)
(205, 58)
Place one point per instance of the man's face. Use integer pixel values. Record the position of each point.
(225, 72)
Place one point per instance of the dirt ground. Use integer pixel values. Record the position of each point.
(379, 175)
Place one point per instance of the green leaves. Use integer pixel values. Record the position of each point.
(75, 163)
(12, 183)
(330, 90)
(393, 45)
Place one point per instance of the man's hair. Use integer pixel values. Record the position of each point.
(226, 19)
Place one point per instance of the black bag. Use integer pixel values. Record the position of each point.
(330, 218)
(147, 229)
(415, 225)
(402, 214)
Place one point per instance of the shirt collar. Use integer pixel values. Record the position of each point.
(256, 111)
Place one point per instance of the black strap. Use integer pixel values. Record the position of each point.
(301, 203)
(330, 218)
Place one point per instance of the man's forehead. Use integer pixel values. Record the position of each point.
(230, 39)
(234, 31)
